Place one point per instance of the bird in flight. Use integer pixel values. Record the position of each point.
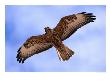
(55, 37)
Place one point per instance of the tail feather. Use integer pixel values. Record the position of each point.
(64, 53)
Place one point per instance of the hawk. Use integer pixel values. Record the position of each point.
(55, 37)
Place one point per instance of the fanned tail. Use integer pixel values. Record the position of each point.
(64, 53)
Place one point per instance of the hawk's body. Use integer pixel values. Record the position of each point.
(54, 37)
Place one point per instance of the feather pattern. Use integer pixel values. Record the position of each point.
(69, 24)
(33, 45)
(54, 37)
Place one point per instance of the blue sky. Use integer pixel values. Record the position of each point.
(88, 43)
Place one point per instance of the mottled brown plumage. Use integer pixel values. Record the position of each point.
(54, 37)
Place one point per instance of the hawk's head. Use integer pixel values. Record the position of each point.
(47, 29)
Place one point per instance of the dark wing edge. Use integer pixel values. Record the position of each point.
(33, 45)
(63, 29)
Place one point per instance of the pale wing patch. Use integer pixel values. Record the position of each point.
(72, 25)
(31, 50)
(25, 53)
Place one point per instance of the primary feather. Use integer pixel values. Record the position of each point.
(33, 45)
(69, 24)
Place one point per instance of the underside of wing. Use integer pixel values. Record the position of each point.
(33, 45)
(69, 24)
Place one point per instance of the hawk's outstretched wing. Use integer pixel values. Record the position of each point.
(33, 45)
(69, 24)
